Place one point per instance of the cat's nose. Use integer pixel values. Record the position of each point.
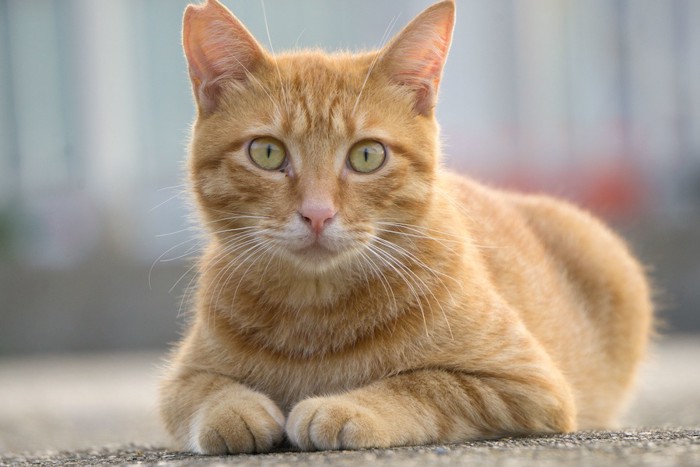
(317, 218)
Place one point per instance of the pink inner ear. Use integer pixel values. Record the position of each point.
(425, 58)
(217, 46)
(417, 55)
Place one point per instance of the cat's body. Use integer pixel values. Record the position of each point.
(398, 305)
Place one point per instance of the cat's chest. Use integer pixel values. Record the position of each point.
(291, 356)
(288, 379)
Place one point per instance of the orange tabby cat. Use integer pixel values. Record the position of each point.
(354, 293)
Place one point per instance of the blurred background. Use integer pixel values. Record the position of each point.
(596, 101)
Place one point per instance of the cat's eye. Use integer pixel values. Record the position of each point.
(267, 153)
(366, 156)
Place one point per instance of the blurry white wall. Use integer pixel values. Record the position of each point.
(594, 100)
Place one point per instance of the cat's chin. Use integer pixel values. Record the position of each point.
(317, 258)
(317, 253)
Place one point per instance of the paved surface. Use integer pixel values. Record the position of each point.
(54, 411)
(640, 448)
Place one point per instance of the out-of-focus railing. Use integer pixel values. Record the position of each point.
(597, 101)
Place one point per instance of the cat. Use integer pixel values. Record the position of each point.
(354, 293)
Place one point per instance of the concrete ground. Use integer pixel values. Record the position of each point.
(101, 409)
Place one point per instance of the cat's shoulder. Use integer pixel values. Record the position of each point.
(548, 217)
(528, 205)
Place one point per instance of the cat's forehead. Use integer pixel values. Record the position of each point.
(319, 71)
(316, 73)
(319, 93)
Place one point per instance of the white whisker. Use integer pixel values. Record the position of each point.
(296, 43)
(385, 37)
(220, 255)
(269, 40)
(390, 261)
(421, 230)
(169, 234)
(382, 279)
(182, 185)
(166, 201)
(416, 278)
(420, 237)
(264, 273)
(253, 240)
(184, 255)
(159, 258)
(415, 259)
(256, 80)
(265, 247)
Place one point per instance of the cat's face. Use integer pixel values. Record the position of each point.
(310, 156)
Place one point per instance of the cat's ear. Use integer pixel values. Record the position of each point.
(416, 56)
(218, 48)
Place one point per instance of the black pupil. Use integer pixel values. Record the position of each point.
(366, 154)
(269, 150)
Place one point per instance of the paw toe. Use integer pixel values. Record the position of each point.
(332, 424)
(238, 428)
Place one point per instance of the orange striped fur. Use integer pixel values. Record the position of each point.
(404, 306)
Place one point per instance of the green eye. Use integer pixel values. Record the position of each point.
(267, 153)
(366, 156)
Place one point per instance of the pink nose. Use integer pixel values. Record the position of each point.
(317, 218)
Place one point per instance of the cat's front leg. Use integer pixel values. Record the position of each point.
(431, 406)
(213, 414)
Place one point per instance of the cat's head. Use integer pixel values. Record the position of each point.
(312, 156)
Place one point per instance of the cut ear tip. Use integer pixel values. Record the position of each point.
(198, 14)
(213, 4)
(192, 10)
(203, 6)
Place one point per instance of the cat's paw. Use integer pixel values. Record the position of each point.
(233, 425)
(334, 423)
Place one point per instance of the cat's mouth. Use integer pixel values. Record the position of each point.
(320, 253)
(317, 251)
